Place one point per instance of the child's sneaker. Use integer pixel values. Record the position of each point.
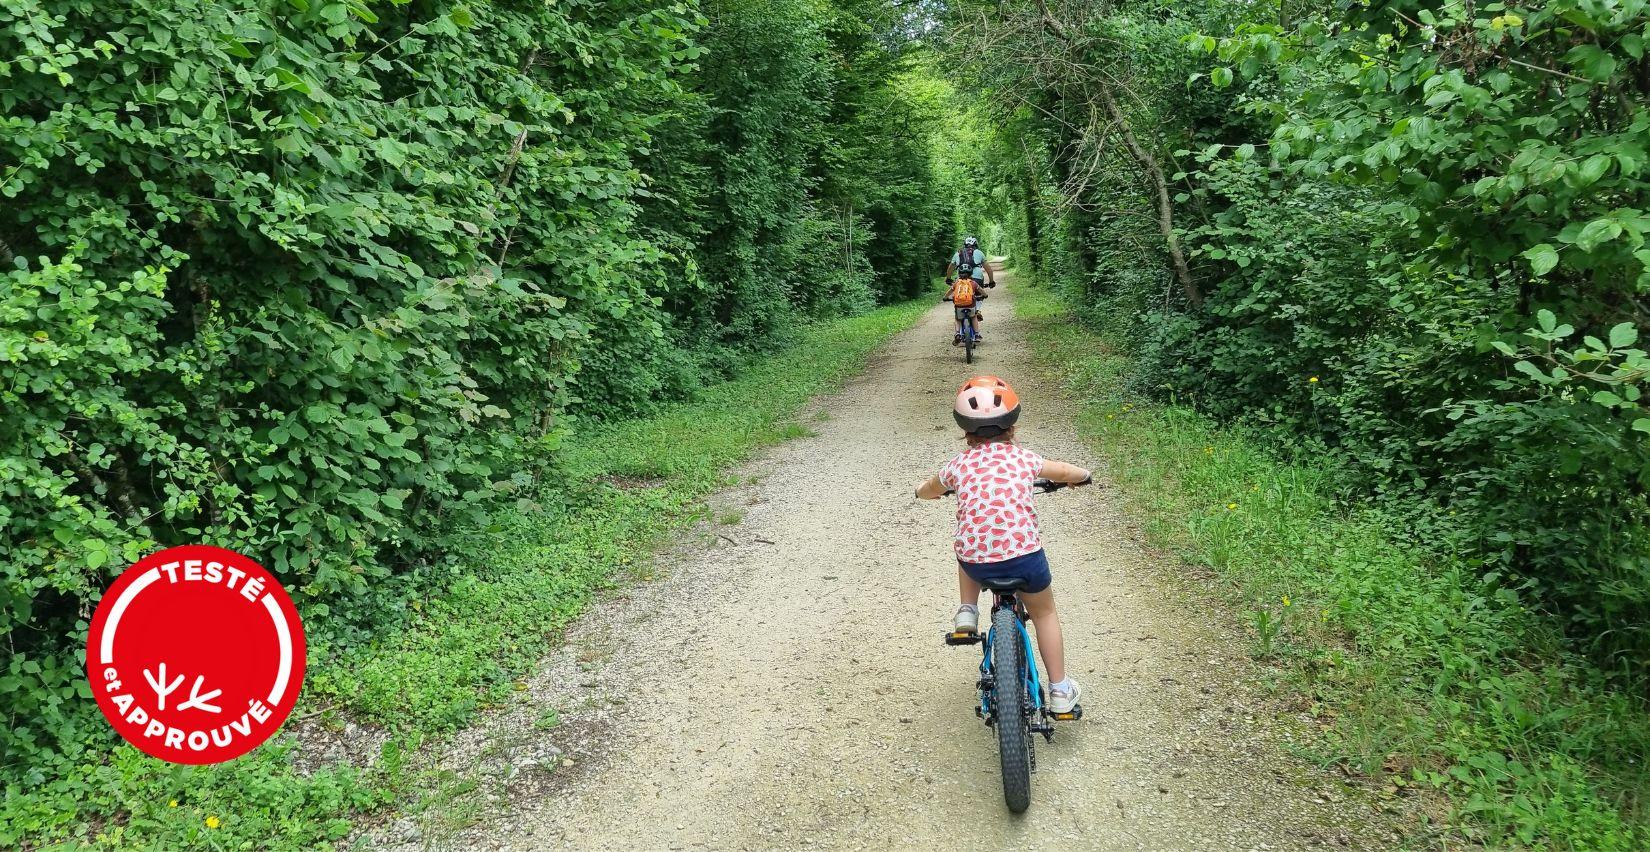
(967, 620)
(956, 339)
(1062, 697)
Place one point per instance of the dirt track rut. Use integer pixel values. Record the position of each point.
(784, 685)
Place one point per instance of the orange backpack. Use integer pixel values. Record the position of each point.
(962, 293)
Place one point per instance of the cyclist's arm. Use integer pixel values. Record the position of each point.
(931, 489)
(1061, 472)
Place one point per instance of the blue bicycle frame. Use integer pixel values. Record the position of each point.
(1033, 681)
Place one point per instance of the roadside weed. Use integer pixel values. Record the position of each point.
(1266, 630)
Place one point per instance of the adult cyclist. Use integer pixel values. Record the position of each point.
(969, 262)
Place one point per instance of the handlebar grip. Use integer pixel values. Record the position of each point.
(1047, 486)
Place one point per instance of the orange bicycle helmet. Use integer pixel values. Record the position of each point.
(986, 406)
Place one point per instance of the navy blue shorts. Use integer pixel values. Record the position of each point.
(1032, 568)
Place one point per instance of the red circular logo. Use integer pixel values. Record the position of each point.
(196, 654)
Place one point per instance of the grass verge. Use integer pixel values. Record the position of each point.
(455, 642)
(1419, 671)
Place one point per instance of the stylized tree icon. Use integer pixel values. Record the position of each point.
(197, 699)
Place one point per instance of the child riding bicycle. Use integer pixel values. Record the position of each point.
(997, 534)
(965, 295)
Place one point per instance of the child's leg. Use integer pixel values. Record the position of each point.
(1050, 644)
(968, 591)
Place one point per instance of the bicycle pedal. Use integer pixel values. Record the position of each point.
(1075, 714)
(963, 637)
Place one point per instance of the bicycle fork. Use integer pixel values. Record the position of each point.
(1031, 692)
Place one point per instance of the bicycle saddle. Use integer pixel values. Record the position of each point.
(1004, 584)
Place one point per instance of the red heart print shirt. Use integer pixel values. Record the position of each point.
(995, 518)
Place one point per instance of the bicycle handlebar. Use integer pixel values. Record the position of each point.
(1044, 486)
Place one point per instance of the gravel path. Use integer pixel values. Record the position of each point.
(782, 684)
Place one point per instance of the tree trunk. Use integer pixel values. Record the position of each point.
(1160, 186)
(1033, 214)
(1148, 164)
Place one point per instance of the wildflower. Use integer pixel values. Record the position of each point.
(213, 822)
(1208, 451)
(172, 804)
(1111, 417)
(1312, 381)
(1230, 506)
(1285, 600)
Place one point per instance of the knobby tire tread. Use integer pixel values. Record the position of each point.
(1007, 699)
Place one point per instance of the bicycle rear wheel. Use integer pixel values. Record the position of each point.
(1008, 702)
(968, 340)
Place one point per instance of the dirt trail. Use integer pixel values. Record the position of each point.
(786, 686)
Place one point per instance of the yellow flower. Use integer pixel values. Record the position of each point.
(1111, 417)
(1230, 506)
(172, 804)
(1208, 450)
(1285, 600)
(213, 822)
(1312, 381)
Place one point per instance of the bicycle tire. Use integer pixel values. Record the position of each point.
(968, 341)
(1008, 702)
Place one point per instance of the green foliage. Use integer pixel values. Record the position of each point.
(314, 355)
(1417, 232)
(1423, 674)
(324, 281)
(455, 639)
(1379, 203)
(796, 170)
(1501, 151)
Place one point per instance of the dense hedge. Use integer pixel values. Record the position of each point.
(313, 279)
(1415, 233)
